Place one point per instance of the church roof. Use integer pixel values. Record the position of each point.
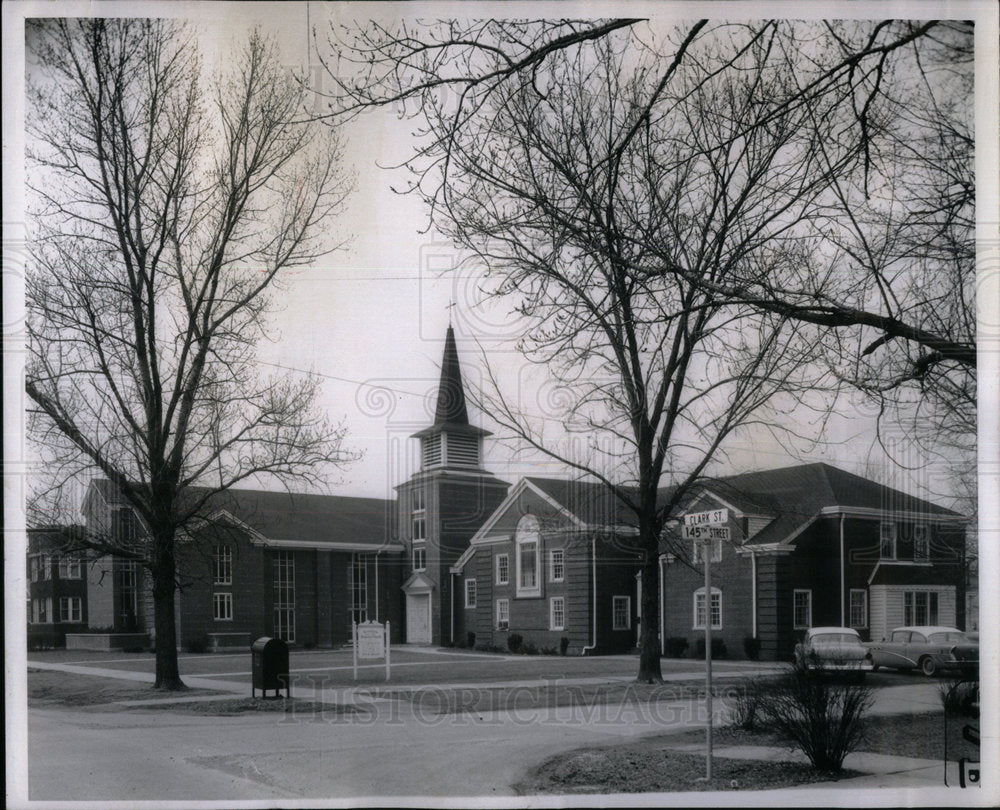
(790, 496)
(451, 413)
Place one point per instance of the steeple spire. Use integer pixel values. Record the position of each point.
(451, 394)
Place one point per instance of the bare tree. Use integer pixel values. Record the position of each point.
(165, 213)
(672, 212)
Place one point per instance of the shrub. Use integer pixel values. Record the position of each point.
(548, 651)
(751, 646)
(197, 645)
(824, 719)
(492, 648)
(529, 648)
(309, 645)
(470, 639)
(748, 704)
(676, 646)
(563, 645)
(718, 648)
(514, 641)
(959, 696)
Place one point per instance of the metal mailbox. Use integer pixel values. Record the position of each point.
(270, 666)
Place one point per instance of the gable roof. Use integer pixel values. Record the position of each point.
(299, 520)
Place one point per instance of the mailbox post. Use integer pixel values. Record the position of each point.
(270, 666)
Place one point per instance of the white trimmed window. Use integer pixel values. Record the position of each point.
(70, 609)
(69, 568)
(222, 564)
(921, 542)
(621, 612)
(418, 519)
(223, 607)
(698, 552)
(36, 567)
(557, 613)
(419, 558)
(528, 540)
(470, 593)
(802, 611)
(859, 607)
(284, 595)
(920, 607)
(503, 614)
(503, 569)
(699, 609)
(887, 541)
(557, 566)
(41, 610)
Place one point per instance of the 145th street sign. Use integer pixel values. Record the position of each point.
(707, 527)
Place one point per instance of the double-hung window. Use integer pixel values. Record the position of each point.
(69, 568)
(557, 613)
(418, 516)
(621, 612)
(715, 607)
(801, 608)
(222, 605)
(920, 607)
(503, 569)
(859, 607)
(503, 614)
(557, 565)
(470, 593)
(70, 609)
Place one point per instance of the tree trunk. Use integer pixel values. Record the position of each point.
(163, 571)
(649, 643)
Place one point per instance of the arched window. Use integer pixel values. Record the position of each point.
(528, 540)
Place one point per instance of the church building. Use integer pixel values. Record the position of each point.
(461, 557)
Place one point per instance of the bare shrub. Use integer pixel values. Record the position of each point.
(823, 718)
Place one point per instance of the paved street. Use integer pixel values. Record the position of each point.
(395, 747)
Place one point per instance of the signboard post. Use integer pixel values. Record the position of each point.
(706, 528)
(371, 641)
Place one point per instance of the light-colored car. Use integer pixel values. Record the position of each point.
(929, 648)
(834, 650)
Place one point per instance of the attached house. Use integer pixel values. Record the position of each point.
(57, 586)
(813, 545)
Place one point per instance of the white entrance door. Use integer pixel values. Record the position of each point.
(418, 618)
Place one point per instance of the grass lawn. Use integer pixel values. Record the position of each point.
(652, 765)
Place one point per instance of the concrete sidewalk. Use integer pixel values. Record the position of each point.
(878, 770)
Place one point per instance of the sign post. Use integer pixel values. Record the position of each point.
(705, 528)
(371, 641)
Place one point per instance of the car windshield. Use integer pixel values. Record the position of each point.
(948, 638)
(834, 638)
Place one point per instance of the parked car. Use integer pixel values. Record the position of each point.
(834, 650)
(931, 649)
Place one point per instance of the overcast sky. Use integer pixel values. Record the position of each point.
(371, 318)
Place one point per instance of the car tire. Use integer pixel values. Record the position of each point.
(928, 666)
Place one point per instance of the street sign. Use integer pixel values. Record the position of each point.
(706, 533)
(715, 517)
